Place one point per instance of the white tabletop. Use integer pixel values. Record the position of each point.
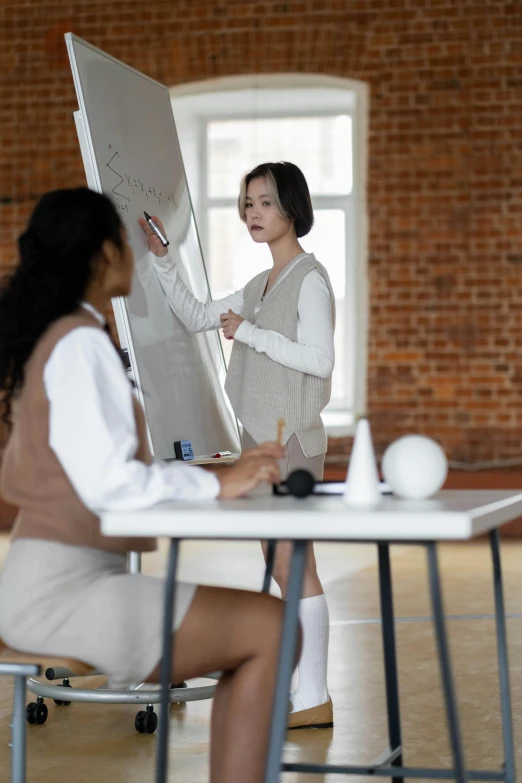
(450, 515)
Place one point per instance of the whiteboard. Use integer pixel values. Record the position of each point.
(131, 152)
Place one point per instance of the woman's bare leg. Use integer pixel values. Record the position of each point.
(312, 688)
(236, 632)
(294, 459)
(312, 584)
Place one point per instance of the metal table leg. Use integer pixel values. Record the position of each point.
(134, 562)
(286, 662)
(390, 660)
(445, 665)
(18, 732)
(20, 672)
(166, 664)
(503, 668)
(270, 558)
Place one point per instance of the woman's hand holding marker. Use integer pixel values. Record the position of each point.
(230, 323)
(156, 246)
(255, 465)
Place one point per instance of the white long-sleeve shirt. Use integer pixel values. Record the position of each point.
(92, 430)
(313, 353)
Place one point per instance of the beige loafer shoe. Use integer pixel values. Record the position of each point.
(320, 717)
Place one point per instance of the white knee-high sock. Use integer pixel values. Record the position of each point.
(312, 670)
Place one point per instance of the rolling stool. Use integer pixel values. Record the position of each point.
(26, 668)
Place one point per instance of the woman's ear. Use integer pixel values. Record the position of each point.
(109, 253)
(106, 259)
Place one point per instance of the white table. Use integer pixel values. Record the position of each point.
(453, 515)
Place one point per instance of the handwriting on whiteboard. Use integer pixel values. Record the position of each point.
(126, 186)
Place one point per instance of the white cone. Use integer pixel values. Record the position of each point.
(362, 481)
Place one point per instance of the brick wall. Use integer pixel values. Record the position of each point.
(445, 184)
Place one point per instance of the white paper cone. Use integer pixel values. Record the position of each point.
(362, 481)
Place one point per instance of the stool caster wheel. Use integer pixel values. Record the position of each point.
(146, 721)
(59, 702)
(36, 712)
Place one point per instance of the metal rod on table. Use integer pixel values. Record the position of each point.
(270, 558)
(503, 667)
(390, 654)
(166, 664)
(445, 664)
(286, 662)
(18, 732)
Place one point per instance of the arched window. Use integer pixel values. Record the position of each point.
(227, 126)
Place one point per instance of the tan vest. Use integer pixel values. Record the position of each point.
(32, 477)
(260, 389)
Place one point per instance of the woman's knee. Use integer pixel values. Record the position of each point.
(274, 610)
(225, 628)
(258, 620)
(272, 613)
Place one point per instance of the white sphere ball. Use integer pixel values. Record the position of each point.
(414, 466)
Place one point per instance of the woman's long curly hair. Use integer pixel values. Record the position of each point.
(58, 259)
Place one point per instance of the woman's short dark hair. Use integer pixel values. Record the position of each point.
(289, 190)
(58, 259)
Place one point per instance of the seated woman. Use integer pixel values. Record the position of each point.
(78, 447)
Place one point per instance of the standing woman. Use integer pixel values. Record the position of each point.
(78, 447)
(282, 323)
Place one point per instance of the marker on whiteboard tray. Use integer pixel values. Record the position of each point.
(154, 227)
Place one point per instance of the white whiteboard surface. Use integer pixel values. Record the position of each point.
(131, 152)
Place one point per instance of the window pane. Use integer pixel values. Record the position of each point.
(233, 259)
(320, 146)
(328, 243)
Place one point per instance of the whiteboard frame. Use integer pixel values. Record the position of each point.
(94, 183)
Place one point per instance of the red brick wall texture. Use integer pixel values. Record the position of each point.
(445, 170)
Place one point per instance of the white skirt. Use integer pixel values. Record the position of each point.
(80, 603)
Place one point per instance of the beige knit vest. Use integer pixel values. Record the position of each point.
(261, 390)
(33, 479)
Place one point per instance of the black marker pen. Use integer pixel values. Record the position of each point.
(164, 240)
